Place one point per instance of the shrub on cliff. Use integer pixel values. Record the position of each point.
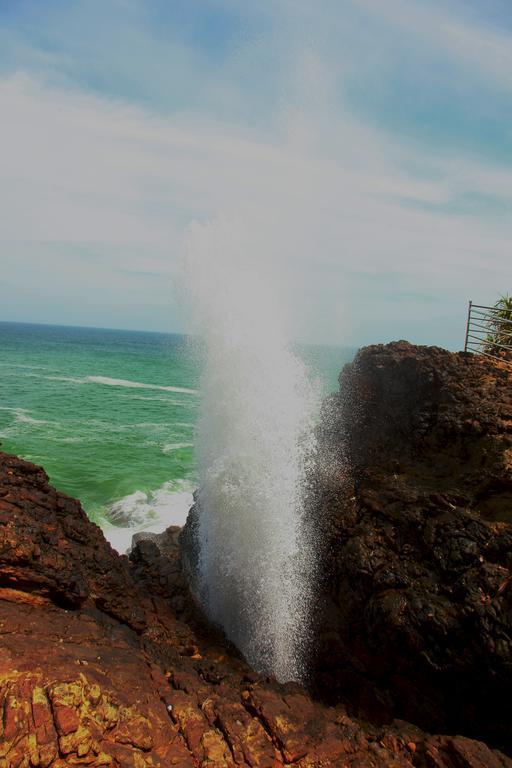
(500, 327)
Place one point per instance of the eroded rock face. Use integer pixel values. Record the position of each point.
(103, 662)
(414, 500)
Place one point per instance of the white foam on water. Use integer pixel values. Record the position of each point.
(107, 381)
(171, 447)
(70, 379)
(138, 385)
(254, 442)
(164, 399)
(22, 416)
(152, 512)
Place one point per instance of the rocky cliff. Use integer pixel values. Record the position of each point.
(414, 501)
(104, 660)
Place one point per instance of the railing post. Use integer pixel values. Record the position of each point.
(467, 327)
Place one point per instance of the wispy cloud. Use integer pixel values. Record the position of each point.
(485, 48)
(375, 235)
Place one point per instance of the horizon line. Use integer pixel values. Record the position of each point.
(164, 333)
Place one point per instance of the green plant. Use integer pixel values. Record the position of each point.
(500, 326)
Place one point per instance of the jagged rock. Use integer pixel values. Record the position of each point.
(189, 547)
(414, 502)
(156, 563)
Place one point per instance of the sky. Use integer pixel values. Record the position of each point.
(364, 148)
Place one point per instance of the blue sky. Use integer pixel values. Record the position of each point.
(365, 148)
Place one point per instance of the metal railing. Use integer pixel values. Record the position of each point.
(487, 333)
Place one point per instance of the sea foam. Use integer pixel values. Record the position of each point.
(22, 416)
(138, 385)
(107, 381)
(154, 511)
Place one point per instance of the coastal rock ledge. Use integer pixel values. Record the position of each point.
(413, 501)
(104, 660)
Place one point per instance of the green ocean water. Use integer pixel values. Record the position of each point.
(110, 414)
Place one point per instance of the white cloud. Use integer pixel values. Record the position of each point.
(94, 191)
(486, 49)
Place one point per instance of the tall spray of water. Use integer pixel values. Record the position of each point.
(254, 441)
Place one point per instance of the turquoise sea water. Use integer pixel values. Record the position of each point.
(111, 414)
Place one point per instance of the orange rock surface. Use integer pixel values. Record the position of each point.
(99, 668)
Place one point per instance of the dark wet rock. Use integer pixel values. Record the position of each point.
(414, 502)
(100, 667)
(156, 563)
(189, 547)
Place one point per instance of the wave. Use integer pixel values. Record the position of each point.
(21, 415)
(171, 447)
(14, 373)
(164, 399)
(71, 379)
(152, 512)
(24, 418)
(107, 381)
(139, 385)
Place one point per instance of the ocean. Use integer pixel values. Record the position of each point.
(111, 416)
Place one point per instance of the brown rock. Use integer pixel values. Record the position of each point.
(414, 500)
(108, 668)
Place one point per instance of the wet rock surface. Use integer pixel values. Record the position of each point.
(104, 662)
(414, 502)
